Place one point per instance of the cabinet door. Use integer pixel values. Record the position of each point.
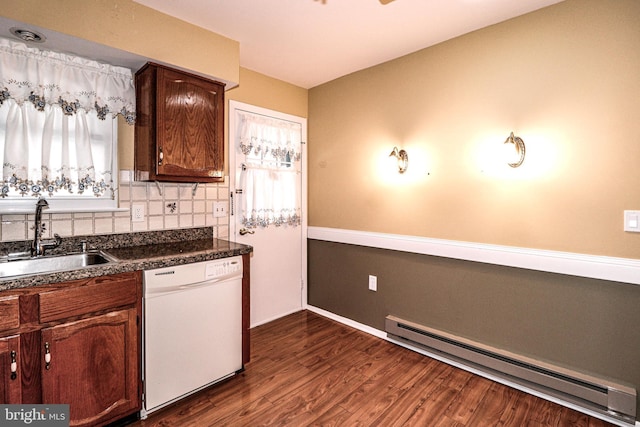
(190, 127)
(92, 364)
(10, 380)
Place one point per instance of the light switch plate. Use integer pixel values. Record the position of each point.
(632, 221)
(219, 209)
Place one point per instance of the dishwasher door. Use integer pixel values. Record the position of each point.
(192, 328)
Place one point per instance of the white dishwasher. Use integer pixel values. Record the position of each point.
(192, 328)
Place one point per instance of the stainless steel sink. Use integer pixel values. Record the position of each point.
(50, 264)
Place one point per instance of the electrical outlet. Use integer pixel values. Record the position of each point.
(137, 213)
(219, 209)
(632, 221)
(373, 283)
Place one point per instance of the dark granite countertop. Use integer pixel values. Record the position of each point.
(133, 251)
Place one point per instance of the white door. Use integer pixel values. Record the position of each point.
(279, 260)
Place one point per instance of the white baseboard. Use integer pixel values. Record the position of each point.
(624, 270)
(383, 335)
(275, 317)
(345, 321)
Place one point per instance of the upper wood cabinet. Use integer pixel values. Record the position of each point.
(179, 126)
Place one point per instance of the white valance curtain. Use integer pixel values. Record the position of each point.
(271, 172)
(52, 104)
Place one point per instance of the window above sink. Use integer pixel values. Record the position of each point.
(58, 129)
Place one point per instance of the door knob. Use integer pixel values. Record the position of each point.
(244, 231)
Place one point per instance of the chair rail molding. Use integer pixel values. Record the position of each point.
(624, 270)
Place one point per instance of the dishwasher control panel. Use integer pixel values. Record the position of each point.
(223, 267)
(174, 278)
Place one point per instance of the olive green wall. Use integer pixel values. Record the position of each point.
(584, 324)
(564, 78)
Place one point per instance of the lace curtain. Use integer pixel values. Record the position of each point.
(271, 172)
(53, 107)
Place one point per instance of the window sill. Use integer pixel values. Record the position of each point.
(22, 211)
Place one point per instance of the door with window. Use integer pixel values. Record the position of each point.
(267, 168)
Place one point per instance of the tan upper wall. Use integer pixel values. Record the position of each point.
(129, 26)
(266, 92)
(564, 78)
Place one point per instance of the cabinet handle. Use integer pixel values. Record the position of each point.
(160, 156)
(47, 356)
(14, 366)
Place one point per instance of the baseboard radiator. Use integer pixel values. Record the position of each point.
(598, 395)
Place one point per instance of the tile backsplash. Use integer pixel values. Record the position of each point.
(166, 206)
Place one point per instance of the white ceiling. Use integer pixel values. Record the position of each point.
(310, 42)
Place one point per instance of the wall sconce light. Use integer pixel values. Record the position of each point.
(514, 150)
(402, 157)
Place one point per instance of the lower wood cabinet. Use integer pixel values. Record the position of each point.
(77, 343)
(90, 365)
(10, 383)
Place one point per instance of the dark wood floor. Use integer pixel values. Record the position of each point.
(308, 370)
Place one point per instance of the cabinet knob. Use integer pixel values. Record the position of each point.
(160, 156)
(47, 356)
(14, 366)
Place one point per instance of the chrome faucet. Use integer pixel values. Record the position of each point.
(38, 246)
